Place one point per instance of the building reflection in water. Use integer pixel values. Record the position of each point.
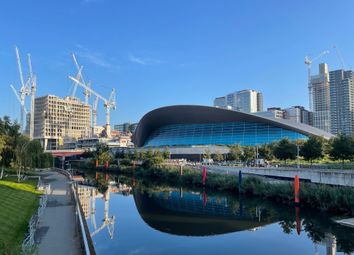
(87, 197)
(187, 213)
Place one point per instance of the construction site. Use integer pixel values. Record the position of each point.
(67, 123)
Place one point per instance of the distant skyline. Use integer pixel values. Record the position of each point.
(158, 53)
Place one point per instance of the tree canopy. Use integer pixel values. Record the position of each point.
(285, 150)
(312, 149)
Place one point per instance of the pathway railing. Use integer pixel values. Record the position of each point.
(28, 244)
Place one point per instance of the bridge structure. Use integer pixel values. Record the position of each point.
(62, 155)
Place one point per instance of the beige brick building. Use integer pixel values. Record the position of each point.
(56, 119)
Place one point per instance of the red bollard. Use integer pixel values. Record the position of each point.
(106, 164)
(106, 176)
(296, 189)
(204, 175)
(96, 162)
(96, 175)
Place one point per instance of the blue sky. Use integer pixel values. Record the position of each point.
(164, 52)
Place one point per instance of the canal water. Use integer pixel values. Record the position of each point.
(148, 219)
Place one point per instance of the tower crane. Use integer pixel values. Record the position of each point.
(33, 82)
(108, 103)
(108, 222)
(308, 61)
(23, 92)
(94, 112)
(80, 77)
(18, 98)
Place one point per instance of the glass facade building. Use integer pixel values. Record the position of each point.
(194, 126)
(225, 133)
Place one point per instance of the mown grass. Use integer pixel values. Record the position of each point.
(19, 201)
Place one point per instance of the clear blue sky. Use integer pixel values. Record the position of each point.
(164, 52)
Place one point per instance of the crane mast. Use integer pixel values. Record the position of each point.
(108, 103)
(33, 81)
(23, 92)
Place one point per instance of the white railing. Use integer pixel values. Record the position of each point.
(28, 244)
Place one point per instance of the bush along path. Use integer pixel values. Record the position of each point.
(332, 199)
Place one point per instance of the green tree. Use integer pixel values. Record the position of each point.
(135, 155)
(248, 154)
(34, 151)
(148, 154)
(166, 153)
(312, 149)
(235, 152)
(218, 157)
(21, 157)
(207, 154)
(104, 156)
(342, 148)
(285, 150)
(2, 145)
(266, 152)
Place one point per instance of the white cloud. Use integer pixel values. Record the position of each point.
(94, 57)
(91, 1)
(144, 61)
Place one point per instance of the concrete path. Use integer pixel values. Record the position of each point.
(57, 232)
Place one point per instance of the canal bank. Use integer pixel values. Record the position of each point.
(334, 199)
(319, 176)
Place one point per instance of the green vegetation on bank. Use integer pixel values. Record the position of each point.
(18, 152)
(337, 200)
(19, 201)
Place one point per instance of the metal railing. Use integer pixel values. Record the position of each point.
(28, 245)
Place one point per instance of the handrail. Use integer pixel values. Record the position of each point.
(87, 240)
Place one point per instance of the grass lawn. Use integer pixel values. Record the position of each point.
(18, 202)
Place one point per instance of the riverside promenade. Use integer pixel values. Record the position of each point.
(57, 232)
(320, 176)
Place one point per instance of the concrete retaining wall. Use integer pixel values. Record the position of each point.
(331, 177)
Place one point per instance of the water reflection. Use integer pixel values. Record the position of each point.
(196, 214)
(186, 213)
(87, 197)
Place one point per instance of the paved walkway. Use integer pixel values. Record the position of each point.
(57, 232)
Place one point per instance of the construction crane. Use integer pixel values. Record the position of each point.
(108, 103)
(18, 98)
(308, 61)
(339, 56)
(80, 77)
(33, 82)
(22, 93)
(108, 222)
(94, 113)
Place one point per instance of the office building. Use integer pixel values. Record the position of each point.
(126, 127)
(342, 101)
(320, 98)
(298, 114)
(272, 112)
(57, 118)
(244, 101)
